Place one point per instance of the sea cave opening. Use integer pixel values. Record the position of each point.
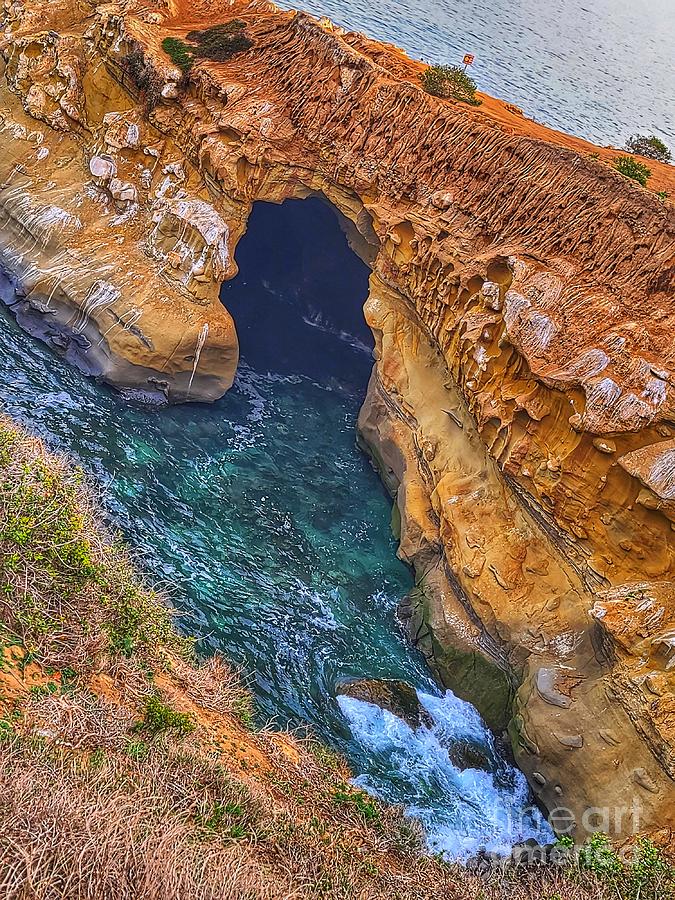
(298, 298)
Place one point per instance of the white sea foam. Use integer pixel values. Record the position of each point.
(462, 811)
(316, 320)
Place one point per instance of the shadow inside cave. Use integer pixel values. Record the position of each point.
(297, 301)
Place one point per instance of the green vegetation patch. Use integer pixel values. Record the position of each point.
(646, 875)
(450, 81)
(158, 717)
(65, 585)
(357, 800)
(218, 43)
(631, 168)
(180, 53)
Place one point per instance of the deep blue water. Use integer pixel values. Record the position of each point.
(600, 69)
(270, 528)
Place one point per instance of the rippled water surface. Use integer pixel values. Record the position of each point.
(270, 527)
(602, 70)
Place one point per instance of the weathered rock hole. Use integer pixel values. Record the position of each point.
(33, 50)
(499, 272)
(474, 284)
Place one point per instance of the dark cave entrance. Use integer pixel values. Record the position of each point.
(297, 301)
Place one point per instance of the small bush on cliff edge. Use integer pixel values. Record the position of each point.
(218, 43)
(146, 79)
(179, 53)
(631, 168)
(647, 875)
(649, 146)
(450, 81)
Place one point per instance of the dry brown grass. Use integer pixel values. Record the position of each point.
(99, 799)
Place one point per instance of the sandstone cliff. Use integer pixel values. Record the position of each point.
(522, 404)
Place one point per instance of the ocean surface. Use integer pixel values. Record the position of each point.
(270, 529)
(600, 69)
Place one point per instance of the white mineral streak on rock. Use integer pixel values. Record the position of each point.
(662, 475)
(201, 340)
(192, 234)
(538, 330)
(121, 132)
(100, 294)
(49, 217)
(603, 393)
(515, 306)
(40, 221)
(589, 364)
(531, 329)
(481, 357)
(490, 292)
(123, 191)
(654, 467)
(655, 391)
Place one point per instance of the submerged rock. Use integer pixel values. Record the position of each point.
(398, 697)
(465, 754)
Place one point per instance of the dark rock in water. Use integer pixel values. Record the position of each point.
(397, 697)
(466, 755)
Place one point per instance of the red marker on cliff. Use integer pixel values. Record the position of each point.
(468, 60)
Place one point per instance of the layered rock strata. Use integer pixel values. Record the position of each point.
(522, 404)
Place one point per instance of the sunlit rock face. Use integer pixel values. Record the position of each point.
(522, 404)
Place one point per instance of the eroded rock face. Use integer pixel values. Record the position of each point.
(522, 404)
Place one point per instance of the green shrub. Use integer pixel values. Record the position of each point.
(647, 876)
(662, 195)
(218, 43)
(158, 717)
(450, 81)
(631, 168)
(598, 856)
(59, 573)
(649, 146)
(137, 750)
(359, 801)
(180, 53)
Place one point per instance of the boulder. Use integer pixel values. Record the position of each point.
(398, 697)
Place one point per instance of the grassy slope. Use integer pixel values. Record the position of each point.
(128, 771)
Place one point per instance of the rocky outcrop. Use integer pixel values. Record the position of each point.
(398, 697)
(522, 404)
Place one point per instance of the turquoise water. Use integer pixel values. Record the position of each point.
(602, 70)
(270, 529)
